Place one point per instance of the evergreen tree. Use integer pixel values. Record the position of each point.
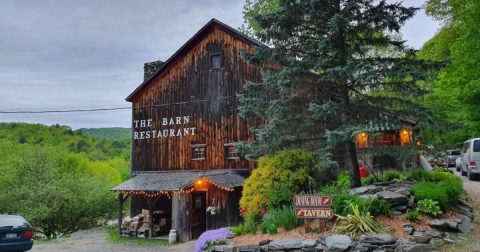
(332, 68)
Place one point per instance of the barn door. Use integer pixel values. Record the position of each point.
(199, 214)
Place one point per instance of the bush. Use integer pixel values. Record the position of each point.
(287, 170)
(430, 190)
(211, 238)
(343, 181)
(417, 175)
(412, 215)
(391, 175)
(430, 207)
(359, 222)
(378, 206)
(283, 217)
(268, 227)
(370, 180)
(239, 230)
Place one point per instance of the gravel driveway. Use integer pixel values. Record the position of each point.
(95, 240)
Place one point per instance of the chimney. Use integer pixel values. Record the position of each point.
(151, 68)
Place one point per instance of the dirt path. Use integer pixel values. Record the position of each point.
(95, 240)
(472, 242)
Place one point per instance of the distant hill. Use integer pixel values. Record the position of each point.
(107, 133)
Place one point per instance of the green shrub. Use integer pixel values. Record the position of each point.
(282, 217)
(378, 206)
(370, 180)
(343, 181)
(417, 175)
(287, 170)
(431, 190)
(391, 175)
(359, 222)
(268, 227)
(412, 215)
(428, 206)
(239, 230)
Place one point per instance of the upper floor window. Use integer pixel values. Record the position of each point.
(215, 61)
(199, 151)
(231, 152)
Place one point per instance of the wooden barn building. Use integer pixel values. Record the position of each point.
(184, 122)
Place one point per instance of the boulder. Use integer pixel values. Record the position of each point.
(420, 237)
(309, 243)
(407, 246)
(403, 190)
(379, 239)
(446, 224)
(365, 189)
(250, 248)
(338, 243)
(434, 233)
(393, 197)
(264, 242)
(466, 226)
(286, 244)
(409, 229)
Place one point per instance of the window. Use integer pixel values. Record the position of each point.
(476, 146)
(466, 147)
(198, 151)
(231, 152)
(216, 61)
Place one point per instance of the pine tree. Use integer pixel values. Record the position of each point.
(331, 69)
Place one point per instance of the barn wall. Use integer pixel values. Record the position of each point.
(190, 88)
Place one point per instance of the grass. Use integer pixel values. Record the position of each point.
(114, 237)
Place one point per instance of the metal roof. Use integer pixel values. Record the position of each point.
(178, 180)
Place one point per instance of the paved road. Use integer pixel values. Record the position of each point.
(95, 240)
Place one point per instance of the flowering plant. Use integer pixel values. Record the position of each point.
(213, 210)
(211, 238)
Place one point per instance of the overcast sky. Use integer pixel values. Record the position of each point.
(70, 54)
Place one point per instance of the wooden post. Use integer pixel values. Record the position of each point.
(180, 216)
(121, 200)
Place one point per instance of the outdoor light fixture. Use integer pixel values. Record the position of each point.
(199, 182)
(363, 134)
(404, 132)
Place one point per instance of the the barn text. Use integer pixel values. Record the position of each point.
(170, 127)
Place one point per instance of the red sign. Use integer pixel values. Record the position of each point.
(314, 213)
(312, 201)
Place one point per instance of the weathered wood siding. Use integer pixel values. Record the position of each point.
(191, 88)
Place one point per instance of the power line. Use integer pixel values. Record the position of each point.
(113, 108)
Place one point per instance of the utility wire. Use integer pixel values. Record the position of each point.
(111, 109)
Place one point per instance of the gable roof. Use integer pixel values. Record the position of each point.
(193, 40)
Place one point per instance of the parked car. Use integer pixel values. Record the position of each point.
(15, 233)
(450, 157)
(471, 157)
(458, 163)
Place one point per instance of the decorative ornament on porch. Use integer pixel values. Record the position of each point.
(214, 209)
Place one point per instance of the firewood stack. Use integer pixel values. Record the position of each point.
(139, 226)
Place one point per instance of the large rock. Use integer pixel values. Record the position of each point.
(407, 246)
(309, 243)
(393, 197)
(379, 239)
(338, 243)
(365, 189)
(420, 237)
(405, 191)
(286, 244)
(409, 229)
(466, 226)
(446, 224)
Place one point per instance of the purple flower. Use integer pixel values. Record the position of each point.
(209, 236)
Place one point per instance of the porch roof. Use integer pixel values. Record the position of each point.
(165, 181)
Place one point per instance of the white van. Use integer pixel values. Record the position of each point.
(471, 157)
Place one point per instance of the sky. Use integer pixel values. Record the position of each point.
(70, 54)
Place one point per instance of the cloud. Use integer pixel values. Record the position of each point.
(83, 54)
